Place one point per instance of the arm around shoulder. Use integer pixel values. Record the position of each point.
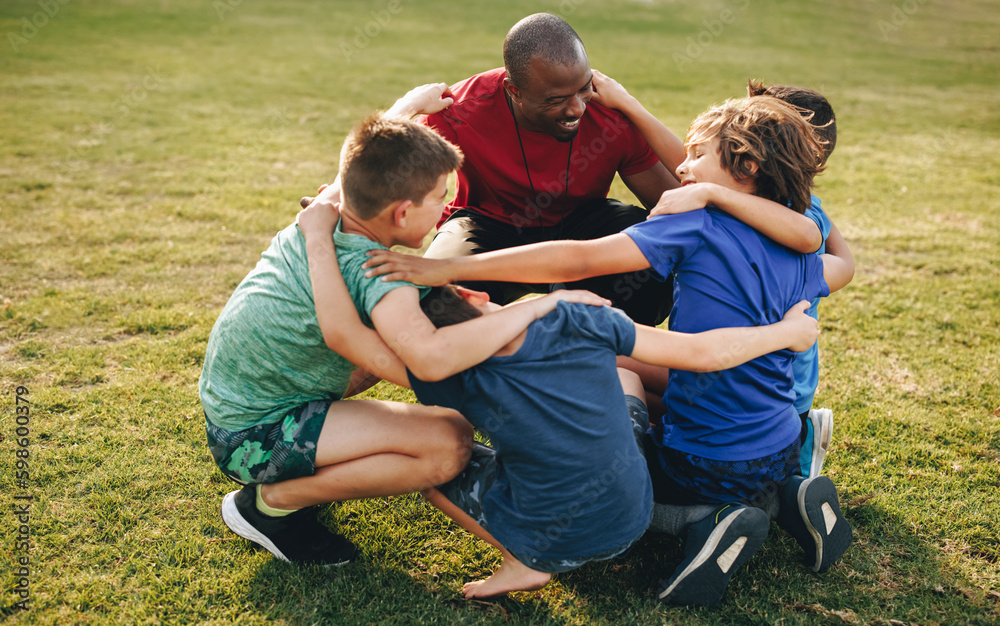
(343, 331)
(553, 262)
(838, 262)
(723, 348)
(777, 222)
(433, 354)
(665, 144)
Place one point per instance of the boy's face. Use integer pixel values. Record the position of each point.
(421, 218)
(703, 165)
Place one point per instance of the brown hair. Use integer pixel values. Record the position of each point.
(816, 109)
(444, 306)
(387, 159)
(767, 133)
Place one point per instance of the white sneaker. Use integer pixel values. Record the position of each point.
(819, 434)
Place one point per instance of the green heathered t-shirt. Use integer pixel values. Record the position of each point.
(266, 353)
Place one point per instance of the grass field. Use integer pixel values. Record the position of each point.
(150, 150)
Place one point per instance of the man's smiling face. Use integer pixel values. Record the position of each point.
(554, 97)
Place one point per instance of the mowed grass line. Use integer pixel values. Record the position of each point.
(151, 150)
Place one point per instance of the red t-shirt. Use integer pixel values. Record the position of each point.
(493, 179)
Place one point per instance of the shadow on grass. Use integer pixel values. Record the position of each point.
(361, 592)
(889, 575)
(383, 588)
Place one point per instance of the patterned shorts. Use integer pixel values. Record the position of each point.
(466, 491)
(270, 453)
(686, 479)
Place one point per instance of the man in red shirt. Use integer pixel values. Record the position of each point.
(540, 160)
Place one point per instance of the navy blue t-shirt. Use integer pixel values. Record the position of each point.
(726, 274)
(571, 481)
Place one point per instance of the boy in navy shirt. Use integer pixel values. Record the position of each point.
(567, 483)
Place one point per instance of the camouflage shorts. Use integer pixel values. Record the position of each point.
(686, 479)
(270, 453)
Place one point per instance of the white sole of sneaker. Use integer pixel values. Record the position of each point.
(236, 523)
(830, 531)
(822, 420)
(724, 561)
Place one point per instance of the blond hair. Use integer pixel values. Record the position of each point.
(767, 141)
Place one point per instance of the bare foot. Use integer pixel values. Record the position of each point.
(512, 575)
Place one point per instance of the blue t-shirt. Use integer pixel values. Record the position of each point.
(571, 482)
(726, 274)
(805, 368)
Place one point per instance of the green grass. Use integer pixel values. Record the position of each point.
(151, 149)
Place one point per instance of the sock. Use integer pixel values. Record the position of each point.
(770, 504)
(640, 417)
(674, 519)
(270, 511)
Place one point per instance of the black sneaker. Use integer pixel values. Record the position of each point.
(714, 549)
(296, 538)
(810, 512)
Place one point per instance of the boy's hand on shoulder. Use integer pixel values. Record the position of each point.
(319, 218)
(687, 198)
(422, 100)
(610, 93)
(325, 192)
(802, 330)
(547, 303)
(407, 267)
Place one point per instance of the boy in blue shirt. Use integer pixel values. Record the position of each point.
(817, 423)
(567, 483)
(728, 437)
(806, 233)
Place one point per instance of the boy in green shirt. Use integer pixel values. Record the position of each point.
(282, 353)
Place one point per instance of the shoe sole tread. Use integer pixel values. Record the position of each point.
(830, 531)
(746, 530)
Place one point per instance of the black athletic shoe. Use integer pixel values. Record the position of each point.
(297, 537)
(714, 549)
(810, 512)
